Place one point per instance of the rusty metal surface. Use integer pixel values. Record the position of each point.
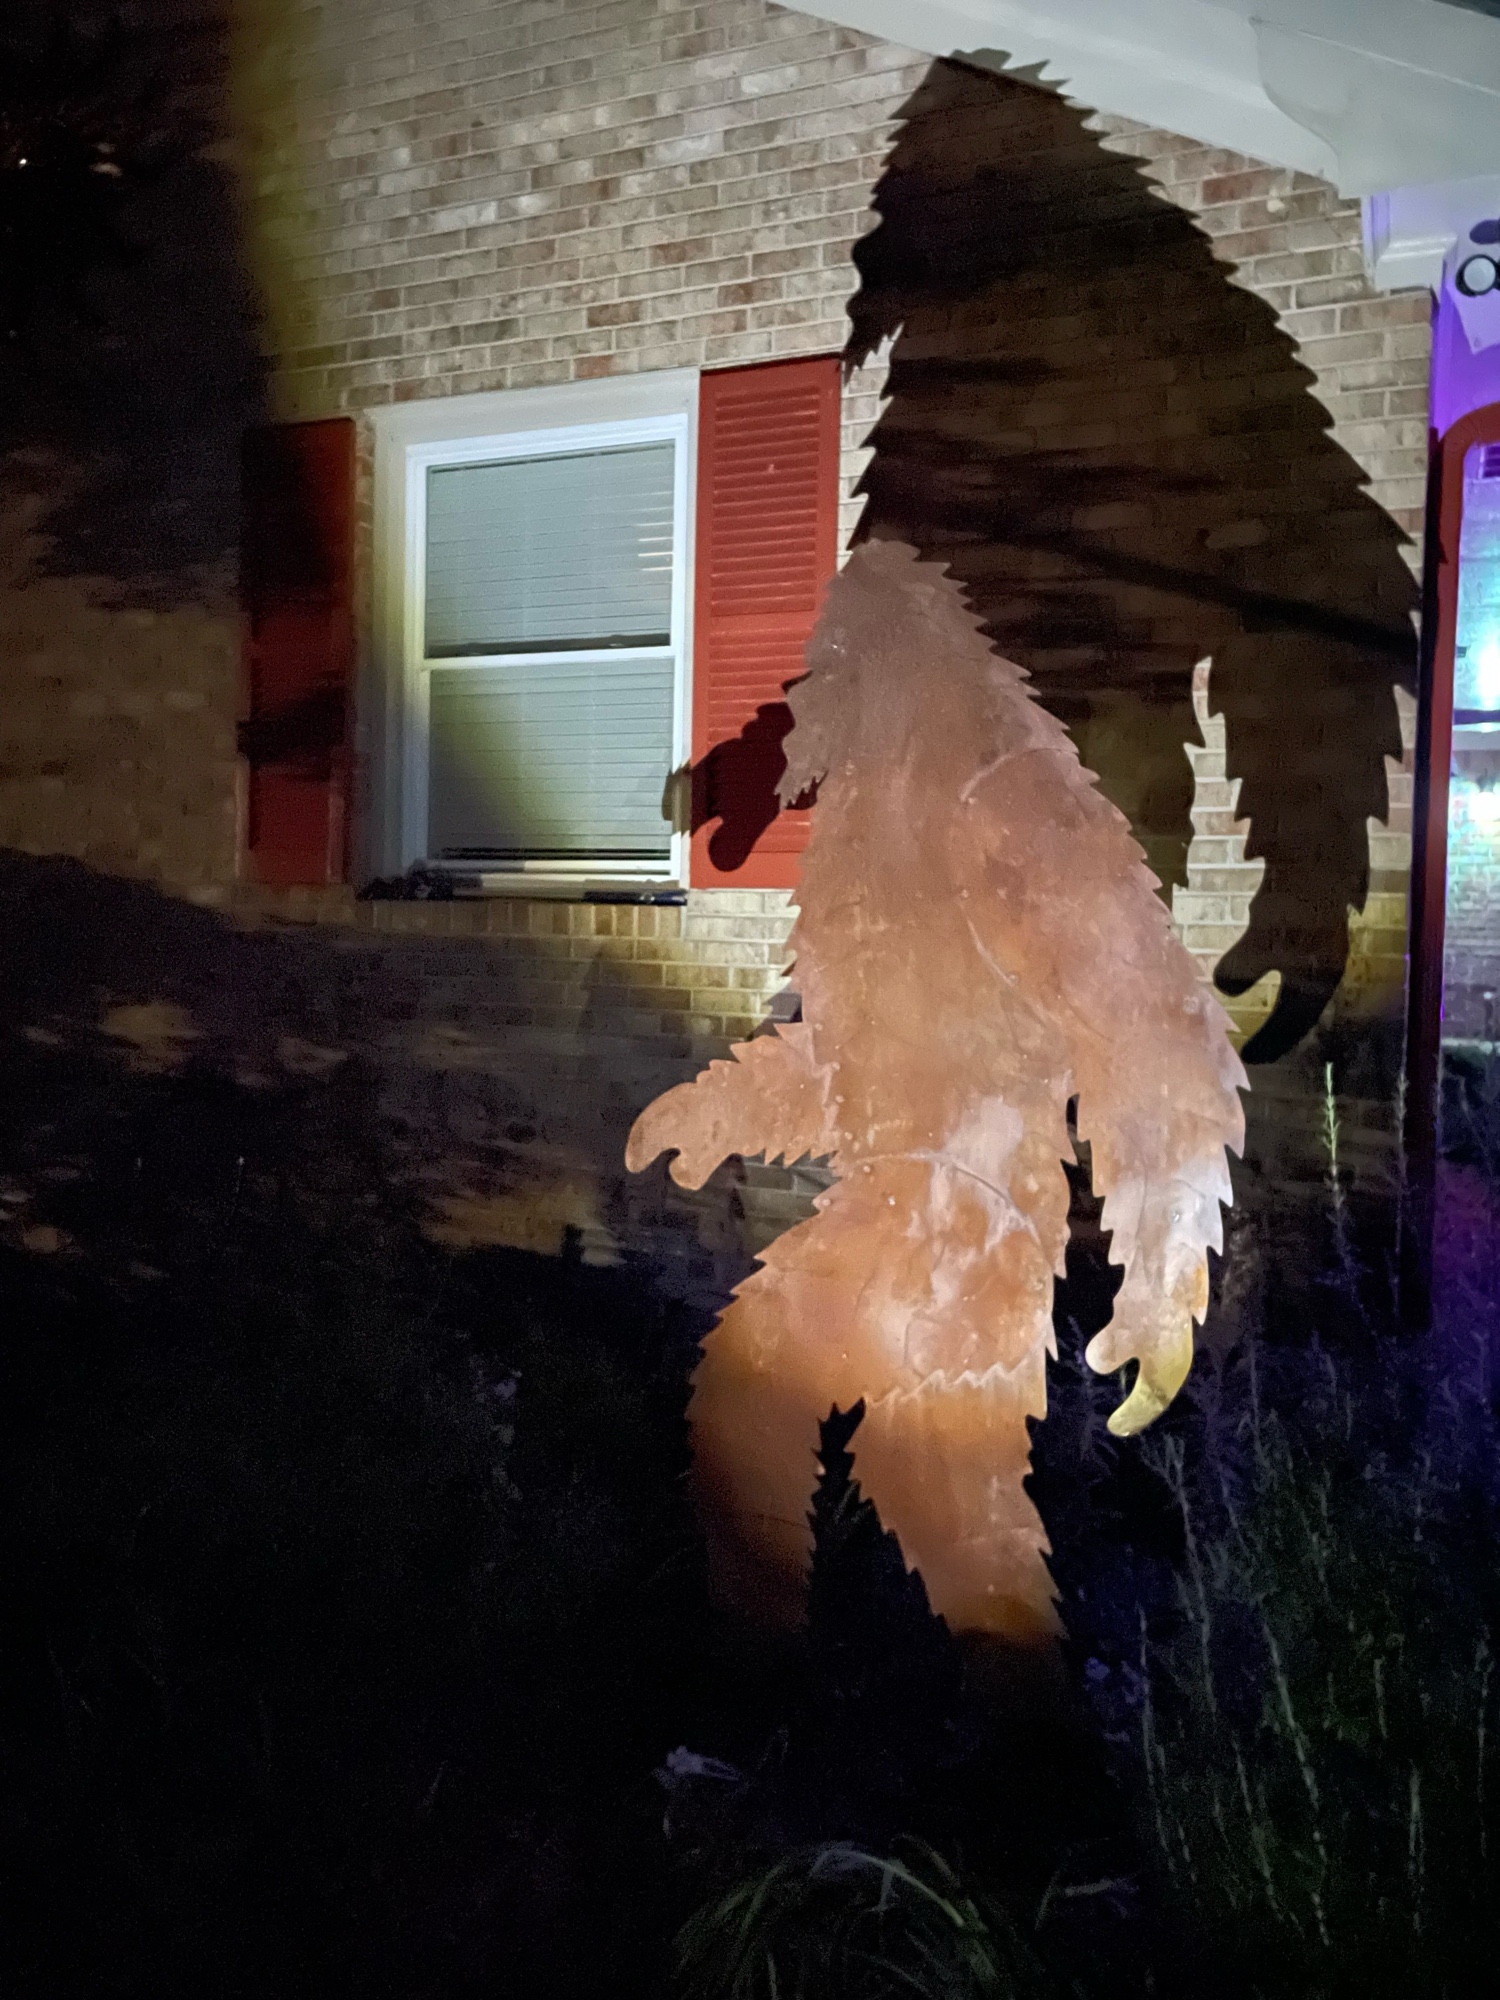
(979, 942)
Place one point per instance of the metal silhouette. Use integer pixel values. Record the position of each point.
(979, 943)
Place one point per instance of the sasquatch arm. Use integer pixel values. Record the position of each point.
(1161, 1231)
(770, 1097)
(1066, 911)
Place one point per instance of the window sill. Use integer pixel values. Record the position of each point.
(451, 884)
(568, 888)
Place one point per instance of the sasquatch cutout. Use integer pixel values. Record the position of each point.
(979, 941)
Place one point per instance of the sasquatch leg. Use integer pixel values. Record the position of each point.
(755, 1435)
(946, 1467)
(792, 1343)
(943, 1334)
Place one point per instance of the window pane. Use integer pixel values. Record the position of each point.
(573, 551)
(568, 758)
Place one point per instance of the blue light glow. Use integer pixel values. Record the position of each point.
(1487, 671)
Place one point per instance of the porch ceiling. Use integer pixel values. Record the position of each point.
(1370, 94)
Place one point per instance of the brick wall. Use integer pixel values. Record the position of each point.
(518, 1039)
(1294, 241)
(486, 1059)
(472, 195)
(119, 445)
(117, 740)
(1298, 244)
(476, 196)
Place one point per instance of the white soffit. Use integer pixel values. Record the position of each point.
(1411, 233)
(1369, 94)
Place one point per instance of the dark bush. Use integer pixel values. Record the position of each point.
(347, 1594)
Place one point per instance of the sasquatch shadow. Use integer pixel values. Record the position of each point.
(736, 783)
(1118, 453)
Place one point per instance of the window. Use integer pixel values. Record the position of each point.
(552, 634)
(541, 699)
(588, 603)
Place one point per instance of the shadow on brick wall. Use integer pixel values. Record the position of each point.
(130, 367)
(487, 1083)
(1117, 451)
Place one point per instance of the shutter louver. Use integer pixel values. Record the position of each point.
(767, 544)
(296, 586)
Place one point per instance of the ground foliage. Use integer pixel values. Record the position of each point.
(1288, 1625)
(354, 1630)
(347, 1593)
(1281, 1607)
(837, 1918)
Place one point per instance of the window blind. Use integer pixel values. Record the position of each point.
(569, 552)
(562, 759)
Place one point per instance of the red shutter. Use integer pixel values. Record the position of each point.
(296, 582)
(768, 499)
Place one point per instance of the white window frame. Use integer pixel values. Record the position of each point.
(392, 718)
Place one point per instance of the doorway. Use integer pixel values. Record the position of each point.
(1454, 1044)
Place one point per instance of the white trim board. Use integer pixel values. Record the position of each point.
(1368, 94)
(409, 439)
